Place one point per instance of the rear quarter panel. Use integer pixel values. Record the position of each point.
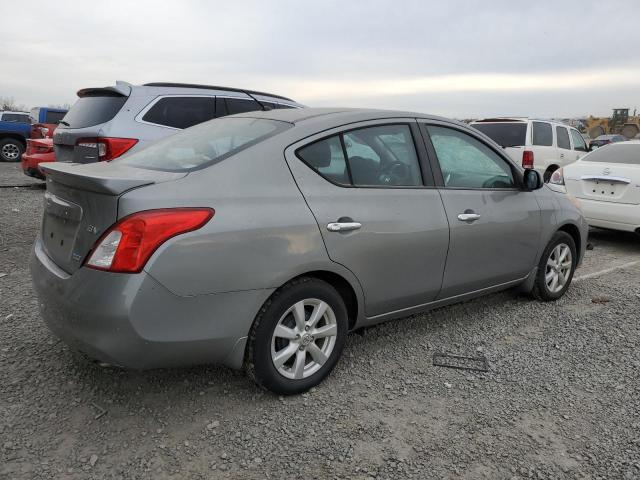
(262, 234)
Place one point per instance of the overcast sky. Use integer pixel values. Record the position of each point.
(552, 58)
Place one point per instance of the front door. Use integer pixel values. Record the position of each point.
(377, 210)
(495, 225)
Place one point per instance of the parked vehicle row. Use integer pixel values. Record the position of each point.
(261, 239)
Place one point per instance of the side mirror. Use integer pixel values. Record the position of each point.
(532, 180)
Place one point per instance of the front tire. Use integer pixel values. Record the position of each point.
(11, 150)
(297, 337)
(556, 268)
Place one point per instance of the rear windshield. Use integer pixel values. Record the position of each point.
(616, 153)
(504, 134)
(205, 144)
(93, 110)
(54, 117)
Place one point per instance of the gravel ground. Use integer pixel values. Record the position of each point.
(561, 398)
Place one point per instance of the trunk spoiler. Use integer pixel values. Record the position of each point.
(105, 178)
(120, 89)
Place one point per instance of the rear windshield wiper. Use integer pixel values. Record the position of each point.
(64, 123)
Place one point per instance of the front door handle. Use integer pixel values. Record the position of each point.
(343, 226)
(468, 217)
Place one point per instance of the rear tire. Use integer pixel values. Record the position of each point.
(11, 150)
(297, 337)
(556, 268)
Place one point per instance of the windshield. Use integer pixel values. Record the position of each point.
(93, 110)
(505, 134)
(627, 153)
(205, 144)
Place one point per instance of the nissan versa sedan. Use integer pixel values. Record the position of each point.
(260, 240)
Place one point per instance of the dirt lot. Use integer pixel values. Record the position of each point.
(561, 398)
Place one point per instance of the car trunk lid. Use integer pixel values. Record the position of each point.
(81, 202)
(605, 182)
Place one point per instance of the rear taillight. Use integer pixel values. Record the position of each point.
(527, 159)
(128, 244)
(557, 177)
(108, 147)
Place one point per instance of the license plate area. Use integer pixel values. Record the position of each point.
(60, 227)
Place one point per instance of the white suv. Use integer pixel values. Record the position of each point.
(543, 145)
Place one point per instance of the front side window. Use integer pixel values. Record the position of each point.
(542, 134)
(181, 112)
(563, 138)
(468, 163)
(578, 141)
(205, 144)
(375, 156)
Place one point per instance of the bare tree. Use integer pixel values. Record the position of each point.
(9, 103)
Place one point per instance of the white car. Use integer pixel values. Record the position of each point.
(606, 183)
(543, 145)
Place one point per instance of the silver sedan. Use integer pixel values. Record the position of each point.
(260, 240)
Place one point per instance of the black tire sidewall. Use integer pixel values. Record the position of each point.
(543, 291)
(11, 141)
(264, 370)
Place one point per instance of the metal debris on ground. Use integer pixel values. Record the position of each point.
(478, 364)
(600, 300)
(101, 411)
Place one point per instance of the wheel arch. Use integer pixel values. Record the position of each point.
(14, 136)
(344, 288)
(574, 232)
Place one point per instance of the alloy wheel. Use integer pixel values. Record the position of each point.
(10, 151)
(558, 269)
(304, 338)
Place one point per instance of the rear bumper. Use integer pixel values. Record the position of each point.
(132, 321)
(616, 216)
(31, 163)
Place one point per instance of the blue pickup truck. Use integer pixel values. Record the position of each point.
(15, 128)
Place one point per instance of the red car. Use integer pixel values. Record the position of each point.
(39, 150)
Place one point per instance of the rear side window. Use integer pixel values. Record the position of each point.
(578, 141)
(93, 110)
(237, 105)
(16, 118)
(375, 156)
(542, 134)
(563, 138)
(53, 117)
(205, 144)
(327, 158)
(181, 112)
(505, 134)
(625, 153)
(282, 105)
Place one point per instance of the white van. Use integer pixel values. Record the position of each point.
(543, 145)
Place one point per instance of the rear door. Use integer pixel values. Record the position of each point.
(377, 209)
(495, 226)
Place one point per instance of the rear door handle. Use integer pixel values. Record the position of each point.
(468, 217)
(343, 226)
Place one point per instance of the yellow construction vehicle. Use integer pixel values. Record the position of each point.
(620, 122)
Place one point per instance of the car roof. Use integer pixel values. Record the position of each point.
(337, 115)
(519, 119)
(213, 87)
